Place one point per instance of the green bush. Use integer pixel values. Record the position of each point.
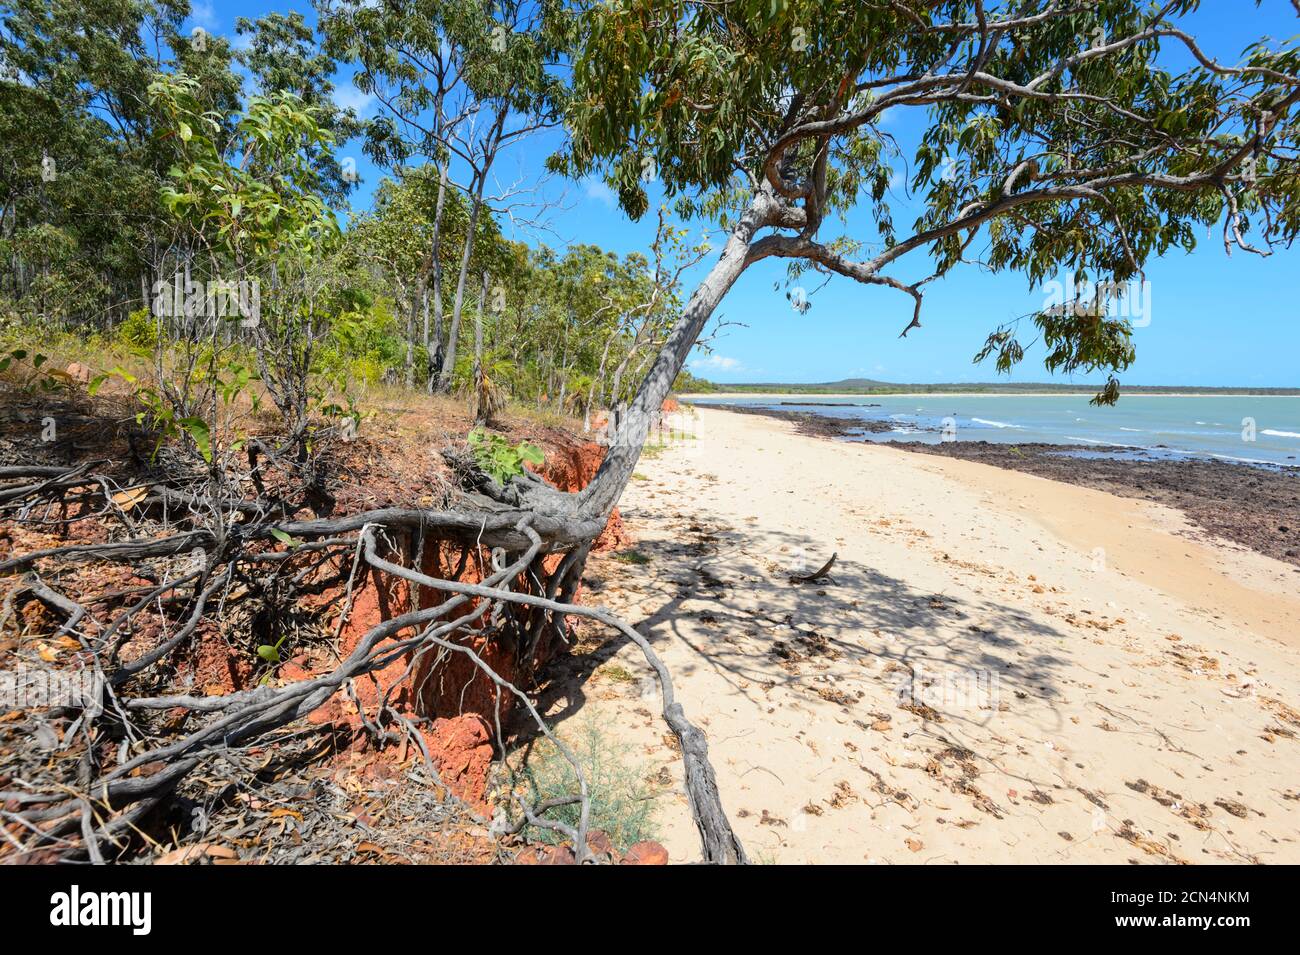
(139, 331)
(363, 344)
(622, 802)
(499, 458)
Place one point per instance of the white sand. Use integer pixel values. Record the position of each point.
(1065, 722)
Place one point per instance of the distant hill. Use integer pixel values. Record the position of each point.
(870, 386)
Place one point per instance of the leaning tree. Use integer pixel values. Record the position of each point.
(1057, 135)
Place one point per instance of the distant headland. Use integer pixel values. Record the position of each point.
(870, 386)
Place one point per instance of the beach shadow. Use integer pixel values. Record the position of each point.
(720, 593)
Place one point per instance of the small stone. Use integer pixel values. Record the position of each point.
(600, 844)
(646, 853)
(545, 855)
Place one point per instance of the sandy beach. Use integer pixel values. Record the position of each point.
(998, 668)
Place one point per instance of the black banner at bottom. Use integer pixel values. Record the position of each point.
(147, 906)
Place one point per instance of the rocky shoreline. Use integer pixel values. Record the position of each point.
(1256, 507)
(811, 423)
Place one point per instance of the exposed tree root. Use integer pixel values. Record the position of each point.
(234, 543)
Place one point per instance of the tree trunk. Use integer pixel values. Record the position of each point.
(564, 364)
(419, 297)
(600, 496)
(410, 342)
(600, 376)
(428, 356)
(434, 350)
(449, 363)
(482, 399)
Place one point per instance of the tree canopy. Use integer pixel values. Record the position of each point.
(1056, 137)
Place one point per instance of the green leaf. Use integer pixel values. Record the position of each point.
(198, 430)
(268, 653)
(282, 537)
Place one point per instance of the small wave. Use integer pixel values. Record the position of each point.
(995, 424)
(1108, 444)
(1134, 430)
(1280, 434)
(1229, 457)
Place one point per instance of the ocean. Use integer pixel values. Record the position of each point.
(1244, 429)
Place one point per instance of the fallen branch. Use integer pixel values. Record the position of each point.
(817, 575)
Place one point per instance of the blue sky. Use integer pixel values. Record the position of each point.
(1213, 319)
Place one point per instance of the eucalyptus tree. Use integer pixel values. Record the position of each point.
(490, 391)
(384, 249)
(619, 291)
(282, 56)
(394, 239)
(404, 62)
(457, 83)
(506, 74)
(80, 146)
(1056, 136)
(250, 204)
(55, 255)
(585, 295)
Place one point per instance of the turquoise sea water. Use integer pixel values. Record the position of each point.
(1243, 429)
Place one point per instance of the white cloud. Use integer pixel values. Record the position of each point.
(349, 97)
(717, 363)
(598, 190)
(203, 14)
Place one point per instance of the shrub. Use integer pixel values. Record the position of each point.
(498, 458)
(139, 331)
(362, 344)
(622, 803)
(631, 557)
